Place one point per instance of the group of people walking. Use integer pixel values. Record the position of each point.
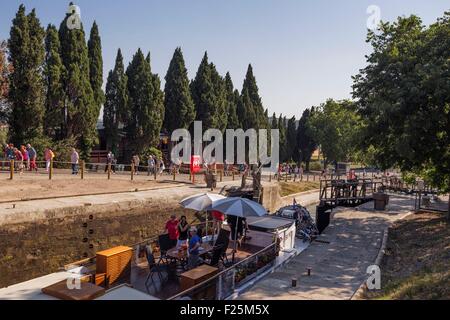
(25, 157)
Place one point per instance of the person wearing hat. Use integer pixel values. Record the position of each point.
(194, 246)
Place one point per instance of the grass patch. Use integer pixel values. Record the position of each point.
(288, 188)
(417, 260)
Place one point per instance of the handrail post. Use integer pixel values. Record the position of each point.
(50, 171)
(82, 169)
(132, 171)
(109, 171)
(174, 174)
(221, 175)
(11, 170)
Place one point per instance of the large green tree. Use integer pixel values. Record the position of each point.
(334, 126)
(178, 103)
(54, 74)
(283, 140)
(80, 108)
(116, 103)
(96, 67)
(27, 95)
(403, 96)
(146, 105)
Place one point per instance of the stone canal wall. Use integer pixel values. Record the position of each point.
(37, 247)
(39, 237)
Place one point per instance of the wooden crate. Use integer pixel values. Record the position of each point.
(196, 276)
(116, 264)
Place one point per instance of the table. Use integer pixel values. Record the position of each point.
(176, 255)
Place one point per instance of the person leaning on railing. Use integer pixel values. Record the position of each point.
(74, 158)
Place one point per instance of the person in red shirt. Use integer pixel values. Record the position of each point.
(172, 230)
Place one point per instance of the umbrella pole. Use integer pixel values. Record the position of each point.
(235, 239)
(206, 228)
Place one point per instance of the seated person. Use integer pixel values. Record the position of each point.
(193, 251)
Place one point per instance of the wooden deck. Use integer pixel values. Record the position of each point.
(170, 286)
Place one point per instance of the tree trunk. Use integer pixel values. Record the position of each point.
(448, 210)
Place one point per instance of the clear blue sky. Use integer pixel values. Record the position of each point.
(302, 52)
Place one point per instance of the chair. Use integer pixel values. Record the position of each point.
(153, 268)
(165, 245)
(219, 252)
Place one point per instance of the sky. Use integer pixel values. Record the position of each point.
(302, 52)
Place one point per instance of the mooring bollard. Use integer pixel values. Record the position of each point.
(82, 169)
(294, 282)
(132, 171)
(11, 170)
(109, 171)
(50, 171)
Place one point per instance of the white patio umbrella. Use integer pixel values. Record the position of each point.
(241, 208)
(201, 202)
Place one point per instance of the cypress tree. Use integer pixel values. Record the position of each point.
(282, 128)
(291, 139)
(253, 93)
(54, 73)
(81, 111)
(178, 103)
(202, 90)
(146, 103)
(116, 103)
(274, 121)
(96, 67)
(5, 69)
(305, 142)
(232, 121)
(220, 99)
(247, 112)
(27, 96)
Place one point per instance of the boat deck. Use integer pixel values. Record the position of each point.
(170, 286)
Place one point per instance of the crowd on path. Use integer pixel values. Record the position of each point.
(25, 157)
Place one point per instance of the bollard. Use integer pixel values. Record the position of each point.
(309, 272)
(221, 175)
(270, 177)
(294, 282)
(82, 169)
(109, 171)
(174, 174)
(286, 177)
(132, 171)
(155, 174)
(11, 170)
(50, 171)
(233, 175)
(307, 177)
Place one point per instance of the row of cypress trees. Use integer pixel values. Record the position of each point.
(209, 97)
(56, 92)
(56, 84)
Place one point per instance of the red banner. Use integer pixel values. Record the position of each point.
(196, 164)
